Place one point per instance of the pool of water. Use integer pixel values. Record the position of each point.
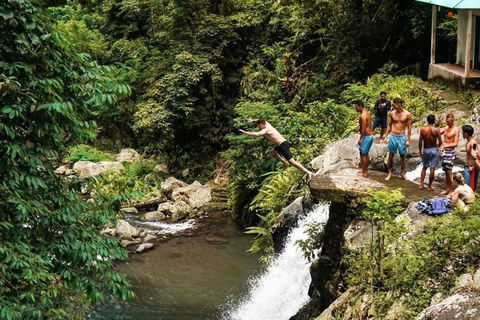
(186, 277)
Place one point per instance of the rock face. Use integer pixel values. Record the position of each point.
(345, 154)
(161, 169)
(463, 306)
(185, 192)
(128, 155)
(171, 184)
(201, 197)
(130, 210)
(87, 169)
(180, 210)
(126, 231)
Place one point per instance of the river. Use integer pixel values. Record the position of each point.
(186, 277)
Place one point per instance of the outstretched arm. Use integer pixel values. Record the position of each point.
(254, 134)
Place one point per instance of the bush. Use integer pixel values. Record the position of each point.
(84, 152)
(136, 183)
(416, 266)
(412, 90)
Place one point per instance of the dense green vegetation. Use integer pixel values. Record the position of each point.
(54, 262)
(176, 79)
(193, 65)
(400, 266)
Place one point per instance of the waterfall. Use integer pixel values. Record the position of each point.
(282, 289)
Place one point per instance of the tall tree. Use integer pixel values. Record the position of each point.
(53, 260)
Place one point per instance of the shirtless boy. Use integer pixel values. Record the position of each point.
(282, 147)
(400, 119)
(430, 139)
(366, 137)
(471, 171)
(451, 135)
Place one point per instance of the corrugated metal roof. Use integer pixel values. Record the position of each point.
(455, 4)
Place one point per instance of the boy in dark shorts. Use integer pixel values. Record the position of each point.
(381, 108)
(282, 147)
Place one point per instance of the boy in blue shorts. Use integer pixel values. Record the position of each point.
(400, 119)
(366, 137)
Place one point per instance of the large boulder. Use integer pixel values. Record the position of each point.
(161, 169)
(79, 165)
(61, 170)
(171, 184)
(165, 208)
(185, 192)
(128, 155)
(201, 197)
(87, 169)
(154, 216)
(180, 210)
(126, 231)
(465, 306)
(345, 154)
(129, 210)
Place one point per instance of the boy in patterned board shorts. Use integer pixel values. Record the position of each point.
(451, 136)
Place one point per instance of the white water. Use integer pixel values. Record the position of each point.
(168, 228)
(282, 289)
(414, 175)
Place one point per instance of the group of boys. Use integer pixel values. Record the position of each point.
(432, 149)
(396, 129)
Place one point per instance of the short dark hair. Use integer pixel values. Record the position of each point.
(430, 119)
(450, 115)
(383, 92)
(359, 103)
(398, 100)
(261, 121)
(468, 129)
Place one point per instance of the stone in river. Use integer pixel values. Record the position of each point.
(216, 240)
(144, 246)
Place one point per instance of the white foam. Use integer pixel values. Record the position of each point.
(282, 289)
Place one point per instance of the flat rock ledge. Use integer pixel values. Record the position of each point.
(345, 183)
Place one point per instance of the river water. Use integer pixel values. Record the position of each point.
(190, 278)
(186, 277)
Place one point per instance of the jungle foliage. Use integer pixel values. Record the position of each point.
(408, 268)
(53, 261)
(193, 64)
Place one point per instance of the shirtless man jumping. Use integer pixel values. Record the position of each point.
(366, 137)
(430, 139)
(400, 119)
(447, 150)
(282, 147)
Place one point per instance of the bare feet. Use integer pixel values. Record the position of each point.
(404, 177)
(388, 177)
(361, 174)
(420, 187)
(429, 189)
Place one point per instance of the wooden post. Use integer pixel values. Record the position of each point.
(468, 46)
(434, 34)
